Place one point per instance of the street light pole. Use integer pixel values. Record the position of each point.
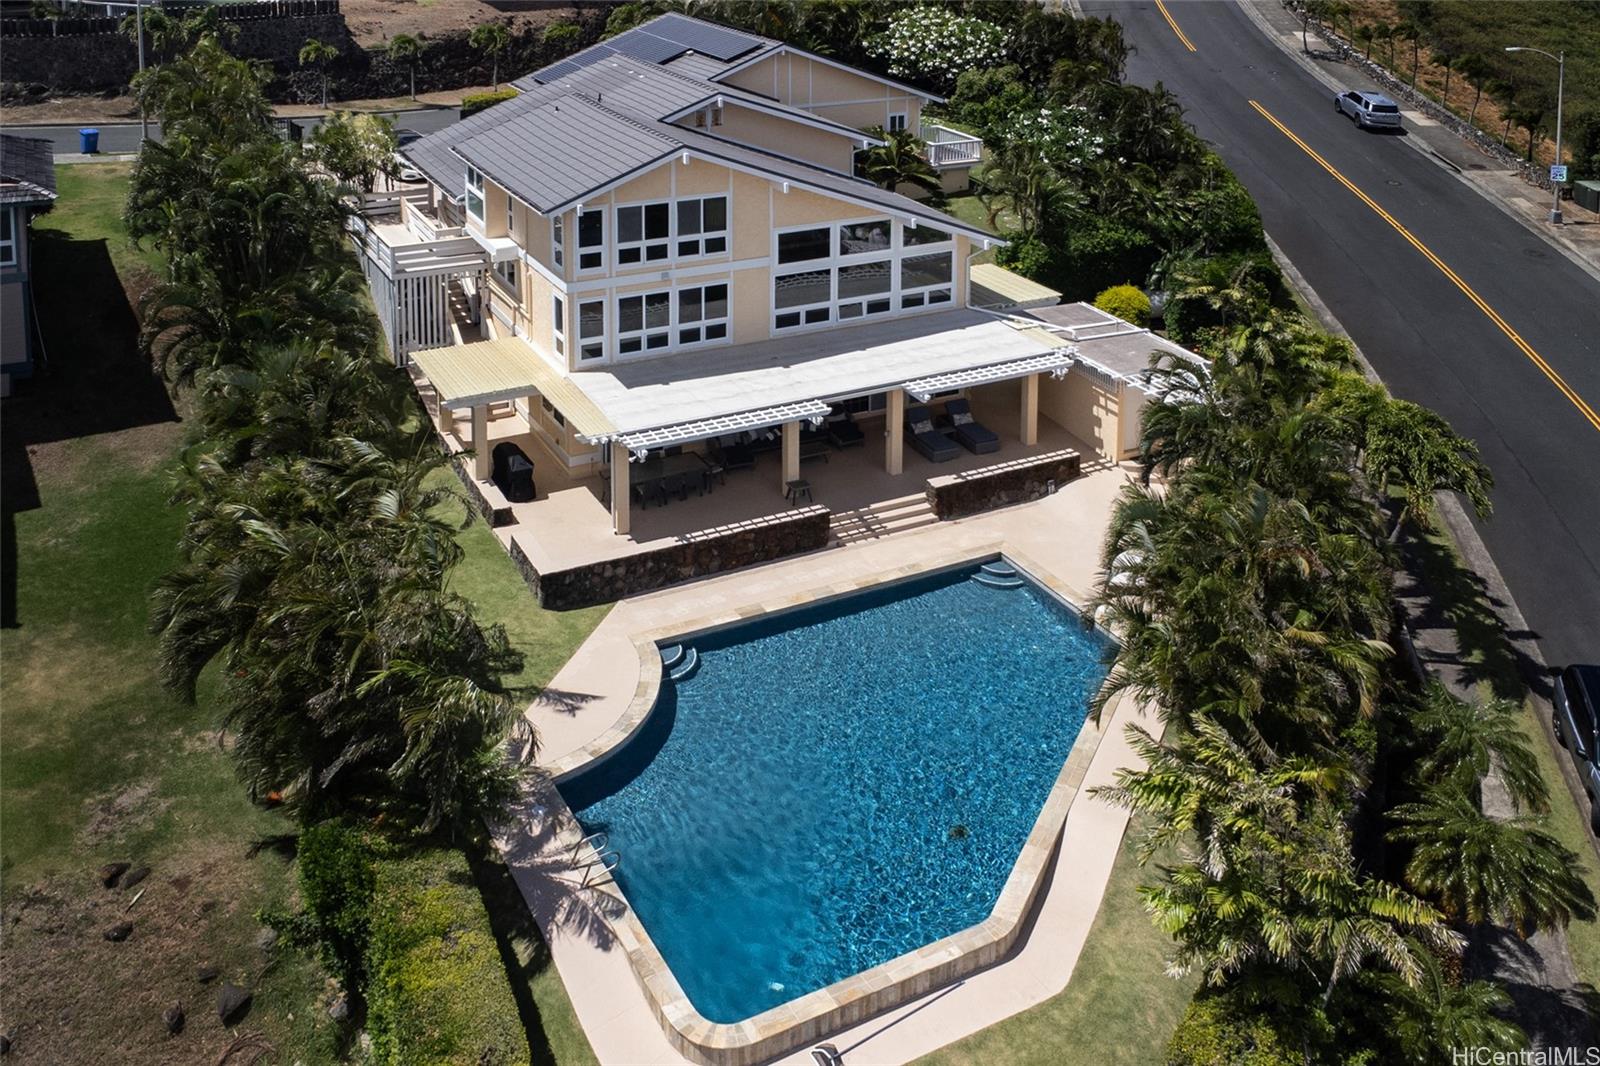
(1561, 80)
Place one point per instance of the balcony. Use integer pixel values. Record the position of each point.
(948, 148)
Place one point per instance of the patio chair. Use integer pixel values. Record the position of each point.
(736, 455)
(844, 433)
(973, 436)
(933, 445)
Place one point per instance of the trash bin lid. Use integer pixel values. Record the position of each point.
(88, 130)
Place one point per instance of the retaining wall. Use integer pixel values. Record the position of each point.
(989, 487)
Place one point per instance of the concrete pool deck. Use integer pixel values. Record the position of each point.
(1057, 540)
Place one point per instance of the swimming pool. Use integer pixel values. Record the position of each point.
(829, 788)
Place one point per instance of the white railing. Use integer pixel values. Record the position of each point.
(951, 148)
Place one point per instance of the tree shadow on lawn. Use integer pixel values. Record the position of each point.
(92, 379)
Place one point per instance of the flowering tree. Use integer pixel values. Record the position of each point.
(1061, 136)
(934, 46)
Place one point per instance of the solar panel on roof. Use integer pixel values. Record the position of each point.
(647, 47)
(715, 41)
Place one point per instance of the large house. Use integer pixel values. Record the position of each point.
(661, 247)
(27, 186)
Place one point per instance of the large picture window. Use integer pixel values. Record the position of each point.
(592, 239)
(925, 280)
(703, 314)
(592, 329)
(475, 193)
(798, 246)
(644, 322)
(853, 270)
(703, 226)
(643, 233)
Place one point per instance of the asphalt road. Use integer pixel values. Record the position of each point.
(122, 138)
(1426, 338)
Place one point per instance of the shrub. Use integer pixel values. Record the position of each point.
(935, 45)
(1028, 256)
(437, 989)
(1099, 252)
(336, 882)
(1221, 1030)
(471, 105)
(561, 33)
(1126, 302)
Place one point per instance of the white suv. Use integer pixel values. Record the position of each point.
(1369, 110)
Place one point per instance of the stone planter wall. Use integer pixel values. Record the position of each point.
(801, 530)
(495, 509)
(984, 489)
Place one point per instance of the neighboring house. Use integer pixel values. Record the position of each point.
(661, 246)
(27, 186)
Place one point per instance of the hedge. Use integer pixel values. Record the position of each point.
(1126, 302)
(471, 105)
(437, 989)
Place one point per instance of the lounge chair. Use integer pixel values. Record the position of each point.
(844, 433)
(973, 436)
(731, 453)
(924, 438)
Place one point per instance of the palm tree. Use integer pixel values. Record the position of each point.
(1462, 740)
(1483, 870)
(491, 39)
(320, 54)
(1410, 31)
(1476, 70)
(1017, 179)
(902, 159)
(1437, 1014)
(404, 48)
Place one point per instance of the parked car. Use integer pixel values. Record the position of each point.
(1576, 719)
(403, 170)
(1369, 110)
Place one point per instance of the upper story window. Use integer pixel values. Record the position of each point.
(474, 193)
(507, 273)
(511, 216)
(926, 280)
(558, 241)
(920, 234)
(703, 226)
(592, 329)
(897, 122)
(653, 321)
(802, 245)
(644, 321)
(558, 324)
(592, 239)
(703, 314)
(865, 238)
(8, 236)
(644, 233)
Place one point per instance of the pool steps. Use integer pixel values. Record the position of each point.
(671, 656)
(998, 574)
(686, 665)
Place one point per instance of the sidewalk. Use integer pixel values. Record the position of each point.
(1578, 238)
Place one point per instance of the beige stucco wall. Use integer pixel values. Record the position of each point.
(1083, 408)
(843, 96)
(835, 151)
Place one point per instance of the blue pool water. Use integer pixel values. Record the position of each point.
(841, 784)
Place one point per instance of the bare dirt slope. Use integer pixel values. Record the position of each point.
(373, 22)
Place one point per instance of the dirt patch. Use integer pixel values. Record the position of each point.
(373, 22)
(111, 815)
(89, 999)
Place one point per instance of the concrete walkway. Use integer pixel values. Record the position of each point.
(1060, 536)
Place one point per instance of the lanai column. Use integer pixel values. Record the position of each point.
(894, 440)
(1029, 430)
(621, 508)
(791, 453)
(480, 441)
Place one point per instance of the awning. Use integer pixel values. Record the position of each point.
(743, 422)
(1056, 363)
(994, 288)
(500, 249)
(467, 375)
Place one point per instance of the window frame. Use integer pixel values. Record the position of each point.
(589, 340)
(558, 241)
(644, 244)
(558, 324)
(597, 250)
(512, 284)
(704, 236)
(8, 236)
(646, 332)
(905, 121)
(478, 192)
(674, 328)
(840, 309)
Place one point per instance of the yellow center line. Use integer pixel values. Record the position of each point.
(1175, 27)
(1467, 290)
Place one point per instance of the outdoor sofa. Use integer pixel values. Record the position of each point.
(933, 445)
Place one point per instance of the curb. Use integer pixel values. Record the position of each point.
(1566, 248)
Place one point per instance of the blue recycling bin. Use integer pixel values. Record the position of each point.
(88, 141)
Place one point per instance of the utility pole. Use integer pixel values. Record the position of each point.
(138, 27)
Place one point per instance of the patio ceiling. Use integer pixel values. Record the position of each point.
(467, 375)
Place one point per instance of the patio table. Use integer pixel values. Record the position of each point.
(652, 474)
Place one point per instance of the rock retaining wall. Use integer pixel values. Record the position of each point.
(758, 541)
(984, 489)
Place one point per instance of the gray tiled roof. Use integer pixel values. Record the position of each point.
(662, 40)
(27, 170)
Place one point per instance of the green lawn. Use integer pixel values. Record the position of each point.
(101, 764)
(1119, 1008)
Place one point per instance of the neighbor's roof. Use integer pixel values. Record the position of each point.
(27, 170)
(557, 144)
(1119, 349)
(995, 288)
(692, 46)
(824, 365)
